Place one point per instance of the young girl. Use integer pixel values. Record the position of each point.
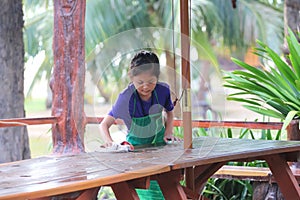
(141, 105)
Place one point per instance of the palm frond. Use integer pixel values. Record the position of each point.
(277, 88)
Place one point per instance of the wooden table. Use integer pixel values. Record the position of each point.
(76, 175)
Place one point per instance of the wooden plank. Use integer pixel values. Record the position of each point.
(90, 194)
(48, 176)
(124, 191)
(141, 183)
(211, 124)
(190, 180)
(211, 150)
(170, 185)
(27, 121)
(203, 176)
(244, 171)
(176, 122)
(190, 194)
(259, 174)
(191, 174)
(287, 182)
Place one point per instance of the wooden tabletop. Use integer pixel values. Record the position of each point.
(47, 176)
(53, 175)
(207, 150)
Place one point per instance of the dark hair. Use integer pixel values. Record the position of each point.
(144, 61)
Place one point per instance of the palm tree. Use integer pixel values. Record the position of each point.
(106, 48)
(229, 31)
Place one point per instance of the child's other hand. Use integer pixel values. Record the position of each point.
(107, 144)
(171, 139)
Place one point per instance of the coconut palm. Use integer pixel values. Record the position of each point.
(211, 20)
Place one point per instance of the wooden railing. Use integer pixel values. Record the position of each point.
(177, 123)
(27, 121)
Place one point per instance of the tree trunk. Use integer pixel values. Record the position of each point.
(292, 15)
(266, 191)
(67, 82)
(14, 143)
(291, 20)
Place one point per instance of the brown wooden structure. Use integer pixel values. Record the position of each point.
(194, 123)
(67, 82)
(76, 175)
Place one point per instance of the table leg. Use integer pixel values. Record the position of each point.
(169, 183)
(89, 194)
(124, 191)
(284, 177)
(203, 173)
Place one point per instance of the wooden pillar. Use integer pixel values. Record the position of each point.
(67, 82)
(185, 70)
(293, 133)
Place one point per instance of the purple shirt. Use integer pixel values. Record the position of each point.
(124, 106)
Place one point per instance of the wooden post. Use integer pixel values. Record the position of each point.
(293, 133)
(185, 70)
(67, 82)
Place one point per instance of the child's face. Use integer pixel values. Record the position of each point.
(144, 84)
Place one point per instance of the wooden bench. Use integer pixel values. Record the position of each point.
(263, 182)
(260, 174)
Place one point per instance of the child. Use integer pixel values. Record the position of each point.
(141, 105)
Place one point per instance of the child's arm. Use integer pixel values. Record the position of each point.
(169, 126)
(104, 130)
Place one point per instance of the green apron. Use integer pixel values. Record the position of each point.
(147, 130)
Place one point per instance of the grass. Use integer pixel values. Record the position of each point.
(34, 105)
(39, 146)
(39, 136)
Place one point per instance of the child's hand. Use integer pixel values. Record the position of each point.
(171, 139)
(116, 147)
(107, 144)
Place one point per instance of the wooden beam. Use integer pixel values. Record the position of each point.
(124, 191)
(177, 123)
(284, 177)
(233, 124)
(141, 183)
(201, 177)
(27, 121)
(210, 124)
(185, 70)
(169, 183)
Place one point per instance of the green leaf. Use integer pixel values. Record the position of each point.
(229, 133)
(297, 83)
(264, 111)
(243, 133)
(294, 48)
(290, 116)
(243, 100)
(269, 135)
(249, 67)
(282, 66)
(278, 135)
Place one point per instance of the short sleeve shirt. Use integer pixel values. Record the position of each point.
(128, 105)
